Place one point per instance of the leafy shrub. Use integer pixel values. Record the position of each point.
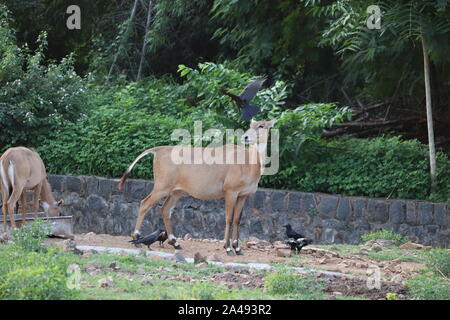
(35, 283)
(381, 167)
(34, 275)
(30, 236)
(438, 260)
(385, 235)
(285, 282)
(429, 287)
(107, 140)
(36, 96)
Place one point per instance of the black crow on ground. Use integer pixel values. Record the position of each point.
(291, 233)
(297, 244)
(150, 239)
(243, 99)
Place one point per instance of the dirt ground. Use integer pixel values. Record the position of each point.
(393, 273)
(260, 251)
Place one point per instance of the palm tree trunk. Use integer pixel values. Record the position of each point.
(426, 67)
(144, 44)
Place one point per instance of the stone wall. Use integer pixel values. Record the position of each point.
(98, 206)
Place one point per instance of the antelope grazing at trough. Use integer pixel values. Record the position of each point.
(233, 181)
(22, 169)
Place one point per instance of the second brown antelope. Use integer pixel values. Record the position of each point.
(22, 169)
(232, 181)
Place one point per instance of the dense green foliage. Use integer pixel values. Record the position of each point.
(30, 270)
(98, 125)
(124, 120)
(34, 98)
(381, 167)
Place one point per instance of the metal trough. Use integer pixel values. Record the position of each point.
(61, 226)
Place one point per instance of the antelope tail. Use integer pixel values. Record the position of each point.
(4, 176)
(127, 172)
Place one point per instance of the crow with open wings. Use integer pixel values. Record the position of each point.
(243, 99)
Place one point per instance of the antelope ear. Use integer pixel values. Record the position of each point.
(60, 203)
(272, 123)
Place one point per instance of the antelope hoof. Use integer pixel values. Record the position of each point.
(177, 246)
(230, 252)
(135, 235)
(239, 251)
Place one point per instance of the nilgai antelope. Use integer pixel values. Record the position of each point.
(22, 169)
(232, 181)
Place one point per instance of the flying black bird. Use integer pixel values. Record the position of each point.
(297, 244)
(291, 233)
(150, 239)
(244, 98)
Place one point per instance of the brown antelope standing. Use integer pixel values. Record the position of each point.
(234, 182)
(22, 169)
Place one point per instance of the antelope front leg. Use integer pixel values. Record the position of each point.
(236, 220)
(230, 202)
(151, 200)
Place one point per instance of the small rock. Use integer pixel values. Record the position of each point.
(363, 251)
(202, 265)
(179, 258)
(4, 237)
(369, 243)
(140, 271)
(199, 258)
(70, 246)
(414, 246)
(187, 236)
(397, 279)
(385, 243)
(106, 282)
(90, 234)
(376, 247)
(284, 253)
(362, 265)
(323, 260)
(215, 257)
(336, 293)
(250, 244)
(146, 282)
(253, 239)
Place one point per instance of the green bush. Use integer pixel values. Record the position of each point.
(385, 235)
(34, 275)
(30, 236)
(383, 167)
(429, 287)
(36, 96)
(438, 260)
(285, 282)
(35, 283)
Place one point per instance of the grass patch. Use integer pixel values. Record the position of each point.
(384, 235)
(429, 286)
